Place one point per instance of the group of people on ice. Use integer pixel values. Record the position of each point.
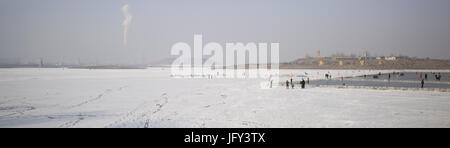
(421, 76)
(437, 76)
(424, 77)
(291, 83)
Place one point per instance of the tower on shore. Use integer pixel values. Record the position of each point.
(318, 54)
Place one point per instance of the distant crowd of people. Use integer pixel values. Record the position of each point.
(422, 77)
(291, 83)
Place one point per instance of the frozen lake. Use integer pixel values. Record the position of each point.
(151, 98)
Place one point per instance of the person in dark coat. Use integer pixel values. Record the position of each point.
(302, 83)
(287, 84)
(423, 82)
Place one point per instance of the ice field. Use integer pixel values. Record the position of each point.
(70, 98)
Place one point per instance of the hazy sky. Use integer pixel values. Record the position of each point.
(93, 29)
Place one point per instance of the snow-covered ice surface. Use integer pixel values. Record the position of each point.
(151, 98)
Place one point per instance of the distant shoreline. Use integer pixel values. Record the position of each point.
(108, 67)
(134, 68)
(80, 67)
(331, 63)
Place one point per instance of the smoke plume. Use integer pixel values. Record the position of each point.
(126, 22)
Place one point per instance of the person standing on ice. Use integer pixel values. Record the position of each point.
(287, 84)
(307, 80)
(422, 83)
(292, 83)
(271, 81)
(302, 83)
